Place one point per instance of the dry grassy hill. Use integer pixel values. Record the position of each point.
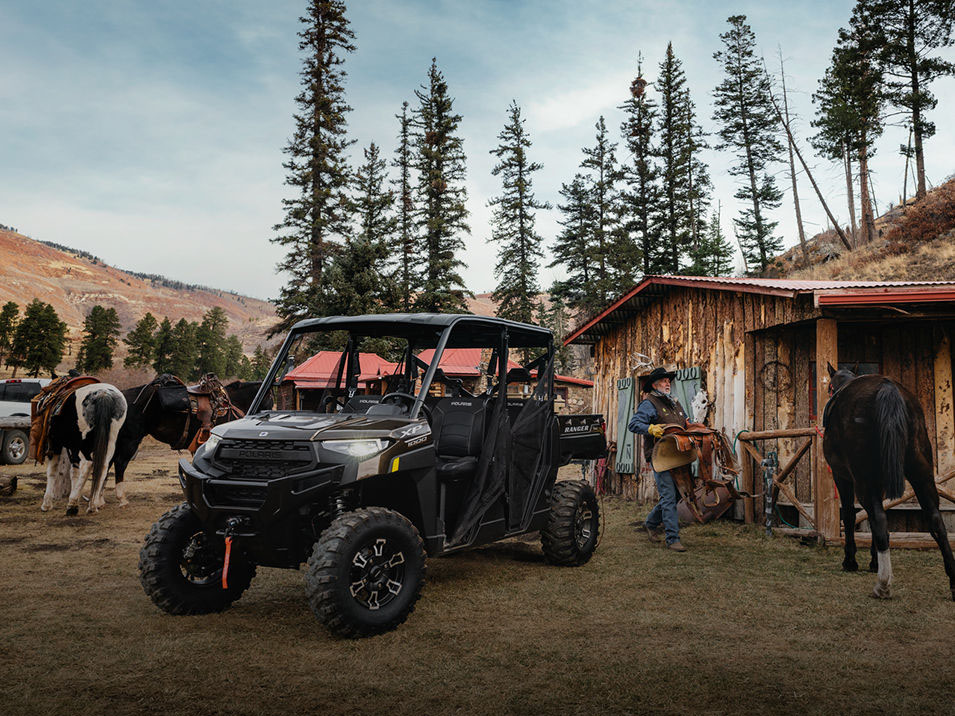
(73, 283)
(915, 242)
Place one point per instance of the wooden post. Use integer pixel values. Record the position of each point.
(944, 425)
(749, 371)
(825, 501)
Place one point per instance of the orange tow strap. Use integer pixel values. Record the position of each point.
(225, 564)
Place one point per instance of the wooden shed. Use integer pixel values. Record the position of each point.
(754, 346)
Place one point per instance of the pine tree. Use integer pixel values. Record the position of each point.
(164, 348)
(440, 214)
(141, 342)
(9, 315)
(850, 101)
(185, 350)
(713, 254)
(318, 218)
(908, 32)
(260, 364)
(211, 343)
(513, 222)
(39, 340)
(673, 150)
(232, 358)
(100, 338)
(640, 174)
(613, 252)
(359, 276)
(573, 249)
(698, 175)
(557, 319)
(404, 250)
(748, 126)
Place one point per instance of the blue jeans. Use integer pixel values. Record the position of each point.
(665, 511)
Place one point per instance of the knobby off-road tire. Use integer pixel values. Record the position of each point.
(15, 447)
(180, 566)
(570, 536)
(365, 572)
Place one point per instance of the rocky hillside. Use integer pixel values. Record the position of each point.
(915, 242)
(74, 282)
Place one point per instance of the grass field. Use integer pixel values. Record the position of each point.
(739, 624)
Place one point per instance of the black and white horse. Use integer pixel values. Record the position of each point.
(85, 430)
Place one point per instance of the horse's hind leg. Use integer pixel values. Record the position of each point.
(847, 511)
(923, 483)
(52, 474)
(880, 539)
(78, 474)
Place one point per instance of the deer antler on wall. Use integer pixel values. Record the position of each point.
(640, 362)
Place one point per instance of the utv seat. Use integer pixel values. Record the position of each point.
(360, 403)
(458, 429)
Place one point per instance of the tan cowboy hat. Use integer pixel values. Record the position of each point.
(673, 451)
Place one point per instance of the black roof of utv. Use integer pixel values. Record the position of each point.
(431, 325)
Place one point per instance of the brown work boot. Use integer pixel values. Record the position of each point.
(653, 533)
(677, 546)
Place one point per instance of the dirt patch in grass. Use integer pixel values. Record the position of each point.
(741, 623)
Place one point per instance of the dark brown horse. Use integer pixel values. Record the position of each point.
(161, 409)
(875, 439)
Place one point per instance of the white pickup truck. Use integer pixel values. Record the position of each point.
(15, 396)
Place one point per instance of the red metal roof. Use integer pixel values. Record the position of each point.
(831, 293)
(322, 367)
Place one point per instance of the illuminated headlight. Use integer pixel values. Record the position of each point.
(211, 444)
(355, 448)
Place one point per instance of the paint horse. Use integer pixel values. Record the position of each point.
(84, 431)
(875, 438)
(161, 409)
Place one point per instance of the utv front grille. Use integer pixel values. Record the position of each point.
(263, 459)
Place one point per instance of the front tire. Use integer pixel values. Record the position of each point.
(15, 445)
(180, 566)
(365, 573)
(570, 536)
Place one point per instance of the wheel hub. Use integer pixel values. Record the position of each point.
(377, 574)
(199, 563)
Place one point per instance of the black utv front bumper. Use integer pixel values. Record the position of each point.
(276, 528)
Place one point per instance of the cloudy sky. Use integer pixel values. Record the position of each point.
(150, 134)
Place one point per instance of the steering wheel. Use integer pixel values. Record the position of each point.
(334, 400)
(410, 399)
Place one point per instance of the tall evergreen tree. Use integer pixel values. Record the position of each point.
(211, 343)
(514, 222)
(141, 342)
(698, 175)
(851, 100)
(674, 150)
(9, 315)
(713, 254)
(233, 356)
(260, 363)
(556, 317)
(359, 275)
(185, 349)
(573, 249)
(39, 340)
(404, 249)
(909, 31)
(748, 127)
(100, 338)
(164, 348)
(317, 219)
(613, 251)
(640, 174)
(441, 214)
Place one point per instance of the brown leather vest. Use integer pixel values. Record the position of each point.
(667, 414)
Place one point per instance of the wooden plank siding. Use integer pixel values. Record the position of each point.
(758, 356)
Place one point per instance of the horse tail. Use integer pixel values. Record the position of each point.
(893, 421)
(106, 409)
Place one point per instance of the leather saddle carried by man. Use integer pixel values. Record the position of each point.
(47, 404)
(713, 491)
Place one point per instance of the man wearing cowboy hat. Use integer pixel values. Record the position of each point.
(656, 411)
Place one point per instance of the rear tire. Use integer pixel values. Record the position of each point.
(180, 566)
(570, 536)
(15, 447)
(365, 573)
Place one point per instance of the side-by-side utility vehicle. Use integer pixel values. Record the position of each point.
(360, 472)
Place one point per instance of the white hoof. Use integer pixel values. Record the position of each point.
(881, 591)
(45, 507)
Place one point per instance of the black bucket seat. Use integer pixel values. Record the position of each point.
(458, 428)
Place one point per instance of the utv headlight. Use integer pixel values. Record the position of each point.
(355, 448)
(211, 444)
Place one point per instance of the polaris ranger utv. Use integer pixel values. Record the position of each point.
(359, 487)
